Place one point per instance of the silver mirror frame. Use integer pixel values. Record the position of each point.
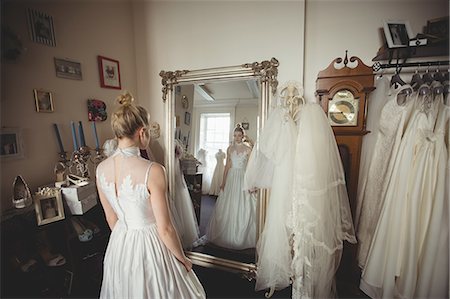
(266, 73)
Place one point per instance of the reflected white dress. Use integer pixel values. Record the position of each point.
(137, 264)
(233, 221)
(204, 169)
(217, 177)
(186, 222)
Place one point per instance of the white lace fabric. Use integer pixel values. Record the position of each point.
(320, 217)
(123, 179)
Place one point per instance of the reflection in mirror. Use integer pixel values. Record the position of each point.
(202, 110)
(217, 124)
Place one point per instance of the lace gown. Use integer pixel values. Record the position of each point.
(274, 252)
(233, 222)
(405, 230)
(392, 123)
(320, 216)
(217, 177)
(137, 264)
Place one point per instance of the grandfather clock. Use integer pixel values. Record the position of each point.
(343, 92)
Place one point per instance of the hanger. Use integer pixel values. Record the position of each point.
(396, 79)
(426, 78)
(438, 76)
(416, 79)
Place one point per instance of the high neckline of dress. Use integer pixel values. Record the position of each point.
(132, 151)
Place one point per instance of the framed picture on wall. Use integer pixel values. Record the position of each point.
(68, 69)
(109, 72)
(48, 206)
(397, 33)
(43, 100)
(11, 143)
(41, 27)
(245, 126)
(187, 118)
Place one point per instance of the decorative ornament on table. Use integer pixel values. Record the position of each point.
(21, 193)
(60, 171)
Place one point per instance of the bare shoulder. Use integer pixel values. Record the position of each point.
(157, 169)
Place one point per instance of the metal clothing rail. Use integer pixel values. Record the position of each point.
(378, 66)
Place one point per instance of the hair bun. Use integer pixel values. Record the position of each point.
(239, 126)
(125, 99)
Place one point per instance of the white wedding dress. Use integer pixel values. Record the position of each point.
(217, 177)
(137, 264)
(320, 217)
(233, 221)
(404, 248)
(277, 146)
(371, 190)
(186, 222)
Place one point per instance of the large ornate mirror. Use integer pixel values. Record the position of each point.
(202, 108)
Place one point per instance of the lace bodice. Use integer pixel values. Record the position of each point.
(239, 160)
(123, 180)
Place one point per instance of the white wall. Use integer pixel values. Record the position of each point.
(335, 26)
(194, 35)
(83, 31)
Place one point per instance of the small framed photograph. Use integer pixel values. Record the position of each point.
(397, 33)
(41, 27)
(187, 118)
(109, 72)
(11, 143)
(48, 205)
(245, 126)
(43, 100)
(68, 69)
(438, 28)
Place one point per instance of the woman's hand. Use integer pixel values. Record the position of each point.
(187, 264)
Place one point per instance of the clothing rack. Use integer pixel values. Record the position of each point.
(378, 66)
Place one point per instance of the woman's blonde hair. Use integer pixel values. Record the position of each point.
(128, 118)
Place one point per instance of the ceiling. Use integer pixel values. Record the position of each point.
(227, 93)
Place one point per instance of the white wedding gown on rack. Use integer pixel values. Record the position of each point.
(137, 264)
(403, 260)
(320, 216)
(276, 149)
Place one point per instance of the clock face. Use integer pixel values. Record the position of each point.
(343, 109)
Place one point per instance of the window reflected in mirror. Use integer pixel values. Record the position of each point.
(208, 135)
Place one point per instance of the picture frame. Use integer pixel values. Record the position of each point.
(187, 118)
(41, 28)
(438, 28)
(43, 100)
(109, 70)
(397, 33)
(11, 143)
(68, 69)
(246, 126)
(48, 205)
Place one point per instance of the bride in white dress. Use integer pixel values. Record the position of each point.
(233, 222)
(144, 257)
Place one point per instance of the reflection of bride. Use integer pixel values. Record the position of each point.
(186, 222)
(233, 222)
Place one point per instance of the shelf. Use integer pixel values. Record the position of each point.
(433, 50)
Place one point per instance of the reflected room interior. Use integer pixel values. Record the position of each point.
(205, 116)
